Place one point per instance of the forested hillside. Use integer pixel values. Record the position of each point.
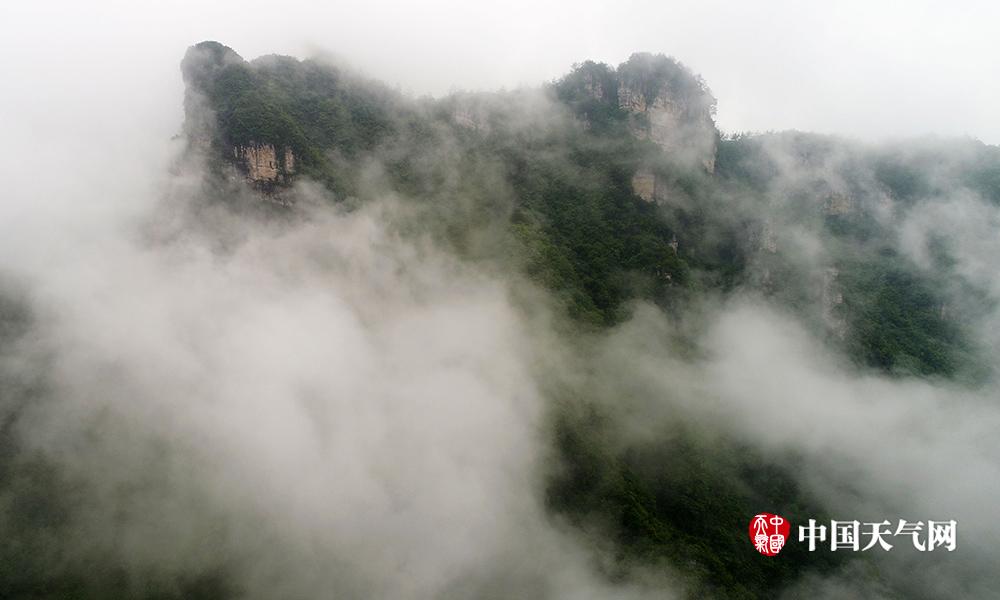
(612, 185)
(622, 227)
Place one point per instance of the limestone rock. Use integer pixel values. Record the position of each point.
(832, 298)
(684, 131)
(262, 164)
(592, 87)
(631, 99)
(644, 185)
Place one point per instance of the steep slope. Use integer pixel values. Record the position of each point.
(613, 185)
(611, 188)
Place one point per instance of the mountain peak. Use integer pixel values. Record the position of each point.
(203, 59)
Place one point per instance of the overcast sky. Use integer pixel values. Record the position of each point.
(862, 68)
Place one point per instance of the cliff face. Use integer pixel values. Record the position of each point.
(831, 299)
(613, 187)
(275, 116)
(670, 107)
(220, 84)
(262, 164)
(593, 87)
(659, 99)
(644, 185)
(652, 98)
(200, 68)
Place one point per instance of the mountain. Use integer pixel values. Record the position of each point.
(613, 185)
(555, 342)
(617, 185)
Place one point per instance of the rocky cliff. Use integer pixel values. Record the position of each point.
(670, 107)
(608, 187)
(228, 116)
(263, 164)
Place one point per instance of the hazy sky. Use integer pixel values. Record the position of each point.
(859, 67)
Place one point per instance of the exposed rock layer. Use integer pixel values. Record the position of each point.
(262, 164)
(684, 131)
(644, 185)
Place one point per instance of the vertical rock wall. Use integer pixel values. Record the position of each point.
(263, 165)
(686, 132)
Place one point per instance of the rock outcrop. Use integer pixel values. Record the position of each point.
(669, 106)
(644, 185)
(265, 164)
(592, 86)
(663, 102)
(262, 165)
(831, 300)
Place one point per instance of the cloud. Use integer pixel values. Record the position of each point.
(321, 407)
(331, 405)
(870, 447)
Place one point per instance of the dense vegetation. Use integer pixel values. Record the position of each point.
(543, 185)
(561, 187)
(564, 189)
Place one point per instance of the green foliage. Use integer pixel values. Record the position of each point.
(581, 231)
(896, 319)
(982, 174)
(561, 197)
(39, 504)
(652, 72)
(591, 91)
(896, 315)
(931, 168)
(601, 244)
(684, 501)
(308, 107)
